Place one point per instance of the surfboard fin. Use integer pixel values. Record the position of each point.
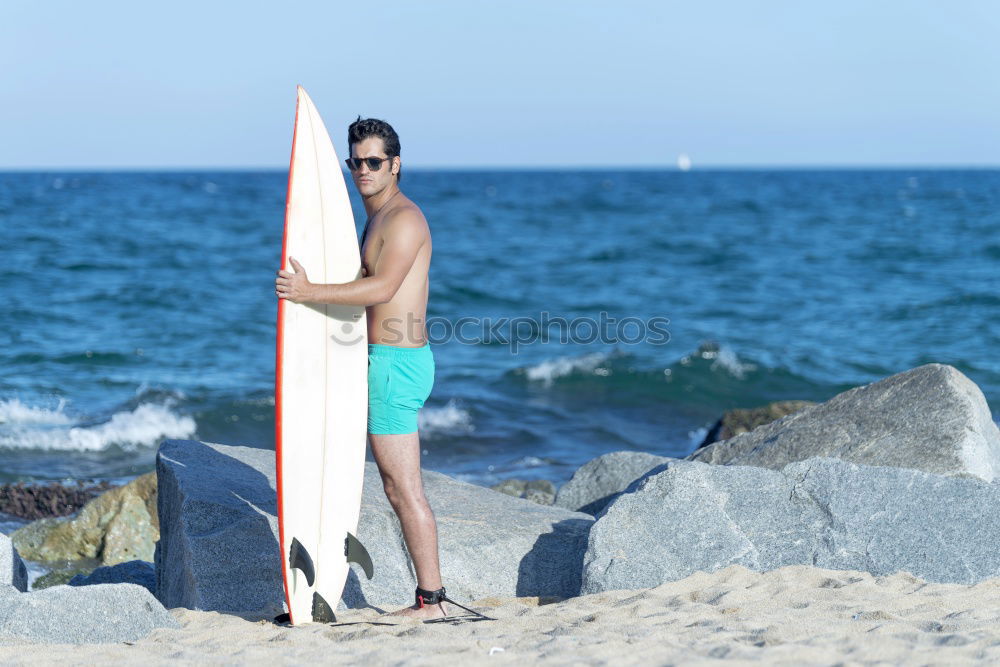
(299, 558)
(355, 552)
(322, 611)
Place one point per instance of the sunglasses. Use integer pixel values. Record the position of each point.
(374, 163)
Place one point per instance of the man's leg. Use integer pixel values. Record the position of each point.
(398, 460)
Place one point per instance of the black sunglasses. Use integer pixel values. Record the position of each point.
(374, 163)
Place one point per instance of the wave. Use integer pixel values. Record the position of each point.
(696, 437)
(724, 357)
(32, 428)
(449, 419)
(550, 370)
(712, 376)
(13, 411)
(604, 364)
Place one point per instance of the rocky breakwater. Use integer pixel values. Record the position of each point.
(41, 501)
(219, 541)
(893, 476)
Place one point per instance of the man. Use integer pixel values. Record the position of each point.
(395, 258)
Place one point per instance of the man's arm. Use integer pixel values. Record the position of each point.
(404, 235)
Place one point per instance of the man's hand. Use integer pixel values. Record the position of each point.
(293, 286)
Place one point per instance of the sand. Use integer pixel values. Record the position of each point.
(793, 616)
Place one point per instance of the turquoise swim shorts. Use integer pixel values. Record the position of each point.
(399, 381)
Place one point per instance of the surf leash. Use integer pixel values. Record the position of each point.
(425, 597)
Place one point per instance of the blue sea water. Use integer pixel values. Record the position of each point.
(140, 306)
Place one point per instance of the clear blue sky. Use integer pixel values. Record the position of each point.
(512, 83)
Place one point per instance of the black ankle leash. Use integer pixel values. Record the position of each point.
(425, 597)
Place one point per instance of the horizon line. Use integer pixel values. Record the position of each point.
(553, 167)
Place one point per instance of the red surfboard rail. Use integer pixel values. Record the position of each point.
(278, 368)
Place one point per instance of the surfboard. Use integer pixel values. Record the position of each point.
(321, 383)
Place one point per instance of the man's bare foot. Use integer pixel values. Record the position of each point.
(437, 610)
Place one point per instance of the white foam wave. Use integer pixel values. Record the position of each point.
(13, 411)
(725, 358)
(530, 461)
(447, 419)
(728, 360)
(696, 437)
(550, 369)
(143, 426)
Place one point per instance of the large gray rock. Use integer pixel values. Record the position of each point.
(92, 615)
(12, 569)
(931, 418)
(219, 547)
(133, 572)
(489, 544)
(822, 511)
(598, 481)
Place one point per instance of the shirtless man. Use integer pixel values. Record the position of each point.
(395, 258)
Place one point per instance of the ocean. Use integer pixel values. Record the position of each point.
(140, 306)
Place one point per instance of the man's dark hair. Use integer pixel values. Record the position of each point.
(364, 128)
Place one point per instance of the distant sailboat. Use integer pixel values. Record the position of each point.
(684, 162)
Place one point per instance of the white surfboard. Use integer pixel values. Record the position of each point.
(321, 392)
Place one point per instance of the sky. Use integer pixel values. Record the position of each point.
(540, 83)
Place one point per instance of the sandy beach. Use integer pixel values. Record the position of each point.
(794, 615)
(676, 345)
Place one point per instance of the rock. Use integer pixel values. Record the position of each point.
(112, 613)
(133, 572)
(38, 501)
(539, 497)
(30, 539)
(822, 511)
(63, 573)
(119, 525)
(489, 544)
(598, 481)
(12, 569)
(540, 491)
(931, 418)
(219, 547)
(735, 422)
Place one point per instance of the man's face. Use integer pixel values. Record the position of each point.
(370, 182)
